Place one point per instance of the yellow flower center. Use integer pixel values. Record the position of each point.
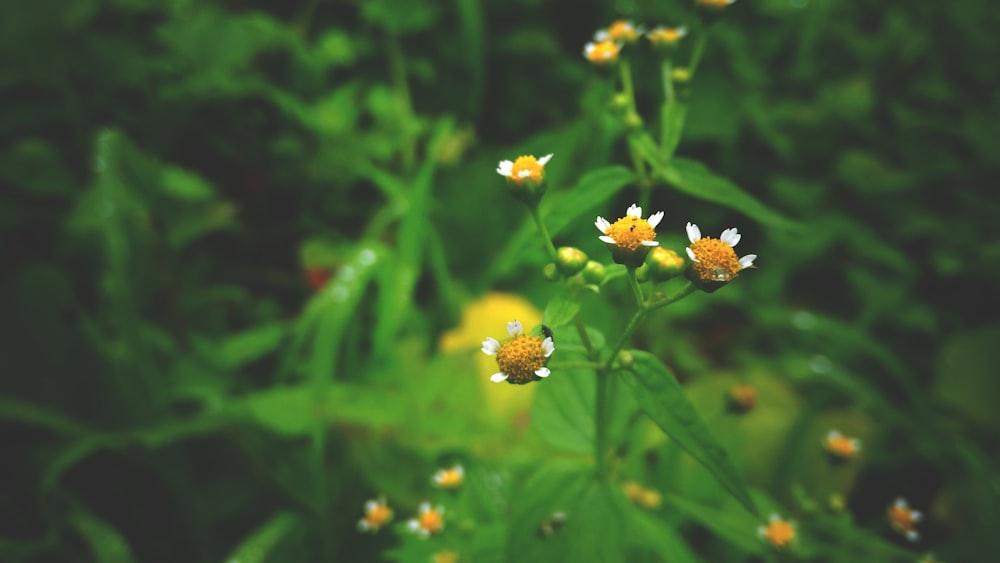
(431, 521)
(901, 518)
(716, 4)
(446, 557)
(717, 260)
(378, 515)
(666, 35)
(622, 30)
(780, 533)
(841, 446)
(744, 395)
(604, 52)
(520, 357)
(528, 163)
(650, 499)
(629, 232)
(450, 478)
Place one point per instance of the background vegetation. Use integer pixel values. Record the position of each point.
(246, 246)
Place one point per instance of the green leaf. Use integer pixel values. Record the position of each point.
(693, 178)
(562, 413)
(734, 526)
(244, 347)
(660, 536)
(555, 486)
(256, 547)
(107, 544)
(184, 185)
(295, 410)
(560, 311)
(594, 189)
(662, 398)
(22, 412)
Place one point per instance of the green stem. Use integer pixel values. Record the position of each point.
(668, 83)
(681, 293)
(549, 247)
(701, 39)
(397, 70)
(633, 282)
(632, 115)
(601, 422)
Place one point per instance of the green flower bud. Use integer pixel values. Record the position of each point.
(664, 264)
(642, 273)
(570, 260)
(594, 272)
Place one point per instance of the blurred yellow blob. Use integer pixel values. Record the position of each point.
(488, 316)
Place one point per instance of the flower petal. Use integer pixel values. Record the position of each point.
(691, 254)
(514, 328)
(694, 233)
(363, 525)
(542, 372)
(490, 346)
(634, 211)
(600, 35)
(602, 224)
(730, 237)
(545, 159)
(524, 173)
(655, 219)
(505, 168)
(747, 261)
(425, 507)
(649, 243)
(916, 515)
(548, 346)
(607, 239)
(412, 525)
(370, 505)
(498, 377)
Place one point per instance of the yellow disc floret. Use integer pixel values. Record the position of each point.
(602, 52)
(778, 532)
(521, 357)
(431, 521)
(717, 260)
(527, 168)
(623, 30)
(629, 232)
(666, 35)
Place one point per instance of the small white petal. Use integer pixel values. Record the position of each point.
(490, 346)
(370, 505)
(363, 525)
(514, 328)
(548, 346)
(774, 517)
(602, 224)
(649, 243)
(832, 435)
(498, 377)
(542, 372)
(600, 35)
(917, 515)
(607, 239)
(439, 476)
(747, 260)
(459, 469)
(856, 444)
(545, 160)
(691, 254)
(588, 49)
(524, 173)
(505, 167)
(413, 525)
(634, 211)
(731, 237)
(762, 531)
(655, 219)
(901, 503)
(912, 535)
(425, 507)
(694, 233)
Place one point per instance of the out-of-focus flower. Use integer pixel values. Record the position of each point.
(778, 533)
(904, 519)
(621, 31)
(445, 557)
(450, 477)
(377, 514)
(661, 36)
(713, 260)
(630, 237)
(664, 264)
(742, 398)
(522, 359)
(713, 4)
(602, 52)
(524, 168)
(552, 524)
(840, 446)
(429, 520)
(646, 498)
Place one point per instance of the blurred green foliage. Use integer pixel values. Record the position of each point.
(234, 232)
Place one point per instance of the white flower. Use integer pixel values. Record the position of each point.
(714, 259)
(631, 231)
(524, 167)
(520, 359)
(428, 521)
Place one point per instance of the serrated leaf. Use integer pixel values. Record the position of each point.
(560, 311)
(663, 399)
(584, 199)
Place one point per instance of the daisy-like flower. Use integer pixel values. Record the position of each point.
(445, 557)
(778, 533)
(662, 36)
(429, 520)
(840, 446)
(522, 359)
(713, 260)
(377, 514)
(904, 519)
(525, 177)
(449, 478)
(602, 52)
(622, 31)
(630, 237)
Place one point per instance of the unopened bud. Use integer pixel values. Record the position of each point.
(594, 272)
(664, 264)
(742, 398)
(570, 260)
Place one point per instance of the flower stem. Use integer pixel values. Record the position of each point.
(681, 293)
(549, 247)
(632, 115)
(701, 40)
(400, 86)
(601, 422)
(592, 352)
(633, 282)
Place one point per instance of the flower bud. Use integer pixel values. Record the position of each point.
(626, 359)
(570, 260)
(664, 264)
(594, 272)
(742, 398)
(642, 274)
